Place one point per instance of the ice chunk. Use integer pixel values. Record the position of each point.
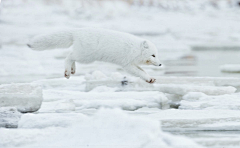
(184, 89)
(202, 101)
(9, 117)
(209, 81)
(214, 81)
(31, 120)
(178, 89)
(230, 68)
(93, 100)
(193, 96)
(181, 120)
(107, 128)
(124, 100)
(26, 97)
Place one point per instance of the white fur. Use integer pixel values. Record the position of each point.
(90, 44)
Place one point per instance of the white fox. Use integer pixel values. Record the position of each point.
(92, 44)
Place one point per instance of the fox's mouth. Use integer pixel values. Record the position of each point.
(152, 63)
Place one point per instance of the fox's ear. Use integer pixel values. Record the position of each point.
(145, 44)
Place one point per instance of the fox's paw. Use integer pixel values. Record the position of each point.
(67, 74)
(73, 70)
(152, 80)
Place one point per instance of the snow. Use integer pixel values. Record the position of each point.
(216, 139)
(214, 81)
(199, 100)
(194, 120)
(178, 89)
(170, 85)
(107, 128)
(25, 97)
(108, 99)
(184, 89)
(41, 121)
(28, 65)
(202, 81)
(9, 117)
(66, 106)
(230, 68)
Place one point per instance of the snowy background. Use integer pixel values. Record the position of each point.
(195, 101)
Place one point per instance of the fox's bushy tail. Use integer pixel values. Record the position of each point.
(62, 39)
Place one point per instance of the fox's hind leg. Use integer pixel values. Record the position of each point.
(73, 68)
(68, 66)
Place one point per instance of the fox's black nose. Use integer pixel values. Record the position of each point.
(160, 64)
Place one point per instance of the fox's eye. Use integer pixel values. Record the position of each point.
(153, 55)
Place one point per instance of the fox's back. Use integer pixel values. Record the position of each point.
(99, 36)
(106, 45)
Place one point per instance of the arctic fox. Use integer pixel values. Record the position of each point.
(92, 44)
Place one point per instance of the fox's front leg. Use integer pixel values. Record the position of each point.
(139, 72)
(69, 66)
(73, 68)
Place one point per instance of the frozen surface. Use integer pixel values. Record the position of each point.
(9, 117)
(106, 128)
(25, 97)
(171, 85)
(215, 139)
(230, 68)
(74, 83)
(184, 89)
(108, 99)
(201, 101)
(210, 81)
(178, 89)
(214, 81)
(182, 120)
(50, 120)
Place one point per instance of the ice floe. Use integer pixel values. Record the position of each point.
(30, 120)
(9, 117)
(87, 100)
(182, 120)
(178, 89)
(107, 128)
(26, 97)
(230, 68)
(199, 100)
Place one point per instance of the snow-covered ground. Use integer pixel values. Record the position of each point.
(103, 106)
(106, 128)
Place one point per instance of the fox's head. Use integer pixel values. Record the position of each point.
(149, 54)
